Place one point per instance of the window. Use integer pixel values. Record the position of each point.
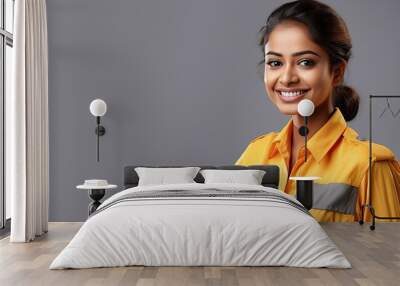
(6, 60)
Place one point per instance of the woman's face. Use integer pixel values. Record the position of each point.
(296, 68)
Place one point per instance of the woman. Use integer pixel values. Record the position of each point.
(307, 48)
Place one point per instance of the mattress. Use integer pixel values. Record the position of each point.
(201, 225)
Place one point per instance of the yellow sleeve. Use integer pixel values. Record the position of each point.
(256, 151)
(244, 157)
(385, 190)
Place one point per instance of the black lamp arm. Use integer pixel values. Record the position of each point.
(303, 131)
(305, 138)
(100, 131)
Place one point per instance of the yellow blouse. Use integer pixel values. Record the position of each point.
(341, 160)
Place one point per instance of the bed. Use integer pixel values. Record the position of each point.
(201, 224)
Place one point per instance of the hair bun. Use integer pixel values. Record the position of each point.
(347, 100)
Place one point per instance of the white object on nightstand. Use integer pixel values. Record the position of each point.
(96, 184)
(309, 178)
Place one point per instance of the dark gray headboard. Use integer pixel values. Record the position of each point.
(270, 179)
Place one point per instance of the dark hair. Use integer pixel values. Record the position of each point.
(329, 31)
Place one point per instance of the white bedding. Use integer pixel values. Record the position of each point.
(200, 231)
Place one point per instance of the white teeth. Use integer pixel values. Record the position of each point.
(291, 94)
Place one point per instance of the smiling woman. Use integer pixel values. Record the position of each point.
(306, 47)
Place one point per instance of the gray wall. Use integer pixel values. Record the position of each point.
(181, 83)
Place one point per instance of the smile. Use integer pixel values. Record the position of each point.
(290, 96)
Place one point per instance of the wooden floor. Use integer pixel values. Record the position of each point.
(374, 255)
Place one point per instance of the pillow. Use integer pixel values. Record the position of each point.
(162, 176)
(248, 177)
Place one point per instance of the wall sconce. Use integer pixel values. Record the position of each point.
(98, 108)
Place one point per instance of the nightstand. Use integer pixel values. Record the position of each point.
(96, 193)
(304, 190)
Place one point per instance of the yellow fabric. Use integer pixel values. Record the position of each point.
(337, 156)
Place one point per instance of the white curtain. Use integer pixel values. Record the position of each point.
(27, 140)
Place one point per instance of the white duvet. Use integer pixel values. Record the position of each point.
(200, 231)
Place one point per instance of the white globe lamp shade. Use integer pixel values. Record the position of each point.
(98, 107)
(305, 107)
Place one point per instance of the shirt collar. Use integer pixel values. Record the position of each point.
(319, 144)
